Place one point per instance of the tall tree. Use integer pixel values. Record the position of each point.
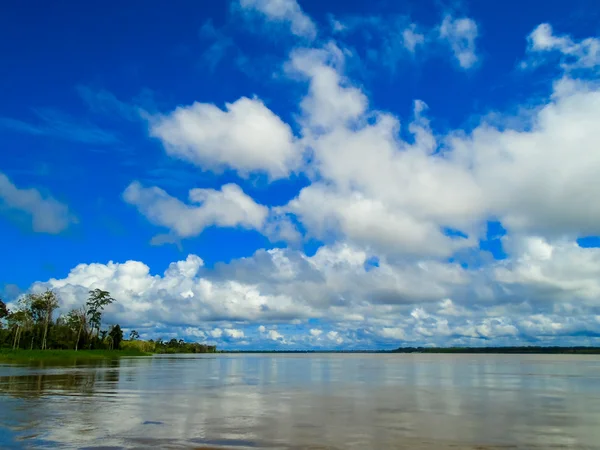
(77, 321)
(97, 300)
(18, 321)
(49, 301)
(133, 335)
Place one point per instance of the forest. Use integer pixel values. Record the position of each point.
(502, 350)
(32, 326)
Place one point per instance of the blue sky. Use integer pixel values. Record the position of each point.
(311, 174)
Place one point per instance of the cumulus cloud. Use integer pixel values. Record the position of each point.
(233, 333)
(274, 335)
(371, 187)
(551, 165)
(285, 11)
(540, 294)
(552, 269)
(47, 215)
(246, 136)
(227, 207)
(331, 100)
(392, 192)
(461, 35)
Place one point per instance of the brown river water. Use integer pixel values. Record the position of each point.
(305, 401)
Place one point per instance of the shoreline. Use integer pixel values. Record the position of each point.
(554, 350)
(21, 355)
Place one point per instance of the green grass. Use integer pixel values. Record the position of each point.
(8, 355)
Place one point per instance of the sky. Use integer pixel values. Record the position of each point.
(307, 174)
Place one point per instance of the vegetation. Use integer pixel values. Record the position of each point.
(172, 346)
(31, 332)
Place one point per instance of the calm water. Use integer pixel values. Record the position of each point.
(305, 401)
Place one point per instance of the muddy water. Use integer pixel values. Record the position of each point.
(305, 401)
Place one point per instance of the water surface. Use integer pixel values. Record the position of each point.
(335, 401)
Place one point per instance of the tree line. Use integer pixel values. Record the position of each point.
(170, 346)
(515, 350)
(31, 325)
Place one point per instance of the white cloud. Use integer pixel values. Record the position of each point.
(228, 207)
(335, 337)
(393, 333)
(274, 335)
(460, 34)
(416, 303)
(561, 140)
(331, 100)
(584, 54)
(286, 11)
(247, 137)
(233, 333)
(397, 197)
(216, 333)
(373, 188)
(549, 270)
(47, 214)
(194, 332)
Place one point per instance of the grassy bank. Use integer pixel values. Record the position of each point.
(7, 355)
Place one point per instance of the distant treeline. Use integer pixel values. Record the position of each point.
(172, 346)
(31, 326)
(513, 350)
(528, 349)
(304, 351)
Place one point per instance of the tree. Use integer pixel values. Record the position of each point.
(4, 312)
(49, 302)
(77, 321)
(116, 335)
(18, 321)
(97, 300)
(40, 307)
(133, 335)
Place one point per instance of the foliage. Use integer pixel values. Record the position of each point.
(116, 336)
(97, 300)
(172, 346)
(31, 327)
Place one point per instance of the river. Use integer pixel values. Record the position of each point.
(305, 401)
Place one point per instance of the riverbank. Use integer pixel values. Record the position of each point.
(9, 355)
